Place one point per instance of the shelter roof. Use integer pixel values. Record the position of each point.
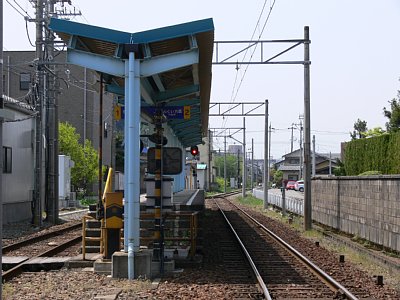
(175, 65)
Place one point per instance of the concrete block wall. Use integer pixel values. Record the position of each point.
(367, 206)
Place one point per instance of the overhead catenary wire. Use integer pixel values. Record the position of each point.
(254, 50)
(16, 9)
(25, 11)
(233, 98)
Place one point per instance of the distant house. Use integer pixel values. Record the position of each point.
(326, 161)
(292, 168)
(18, 156)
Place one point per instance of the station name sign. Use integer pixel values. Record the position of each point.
(171, 112)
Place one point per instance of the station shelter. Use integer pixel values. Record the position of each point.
(164, 72)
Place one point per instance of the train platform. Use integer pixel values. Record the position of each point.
(181, 218)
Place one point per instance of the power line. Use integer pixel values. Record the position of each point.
(27, 33)
(254, 50)
(233, 98)
(16, 9)
(25, 11)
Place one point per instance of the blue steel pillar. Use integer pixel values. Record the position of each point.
(132, 160)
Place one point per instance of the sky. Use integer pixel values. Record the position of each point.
(354, 52)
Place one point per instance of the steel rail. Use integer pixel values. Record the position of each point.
(222, 195)
(35, 239)
(249, 259)
(332, 283)
(18, 269)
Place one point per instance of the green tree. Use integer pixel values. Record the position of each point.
(85, 157)
(360, 127)
(278, 176)
(339, 170)
(376, 131)
(231, 165)
(393, 125)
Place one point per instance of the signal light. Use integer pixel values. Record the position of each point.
(194, 150)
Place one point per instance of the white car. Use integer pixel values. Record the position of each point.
(299, 186)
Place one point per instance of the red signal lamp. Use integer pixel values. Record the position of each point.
(194, 150)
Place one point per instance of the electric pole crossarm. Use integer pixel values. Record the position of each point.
(228, 60)
(233, 55)
(236, 140)
(247, 109)
(230, 109)
(261, 104)
(260, 42)
(283, 52)
(223, 132)
(237, 131)
(294, 62)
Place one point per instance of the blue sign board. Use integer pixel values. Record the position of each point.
(171, 112)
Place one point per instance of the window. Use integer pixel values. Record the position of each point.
(24, 81)
(294, 161)
(7, 159)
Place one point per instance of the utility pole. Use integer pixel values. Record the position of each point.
(40, 119)
(301, 150)
(266, 157)
(313, 156)
(252, 163)
(269, 151)
(244, 159)
(238, 168)
(307, 160)
(224, 164)
(210, 138)
(51, 123)
(1, 146)
(330, 163)
(291, 139)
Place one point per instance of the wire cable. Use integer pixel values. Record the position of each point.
(16, 9)
(244, 56)
(25, 11)
(27, 33)
(233, 98)
(255, 48)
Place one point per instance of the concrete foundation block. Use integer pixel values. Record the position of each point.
(169, 266)
(102, 266)
(142, 264)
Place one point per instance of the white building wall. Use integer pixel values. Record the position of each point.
(17, 186)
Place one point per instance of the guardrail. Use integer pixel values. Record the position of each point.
(294, 205)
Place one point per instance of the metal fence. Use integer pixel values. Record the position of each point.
(293, 204)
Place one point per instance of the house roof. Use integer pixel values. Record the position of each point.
(175, 66)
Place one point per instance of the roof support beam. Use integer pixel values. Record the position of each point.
(156, 78)
(184, 102)
(100, 63)
(176, 93)
(186, 130)
(115, 89)
(168, 62)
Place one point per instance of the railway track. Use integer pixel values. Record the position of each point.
(38, 238)
(44, 245)
(281, 271)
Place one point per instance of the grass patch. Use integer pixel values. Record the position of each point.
(250, 201)
(87, 201)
